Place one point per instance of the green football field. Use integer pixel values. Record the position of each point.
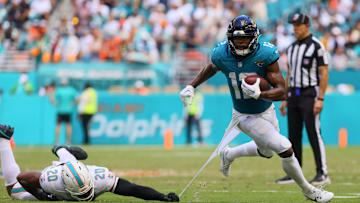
(251, 179)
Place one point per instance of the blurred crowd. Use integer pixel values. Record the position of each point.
(337, 24)
(149, 31)
(23, 23)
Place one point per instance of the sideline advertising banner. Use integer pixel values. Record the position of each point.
(131, 119)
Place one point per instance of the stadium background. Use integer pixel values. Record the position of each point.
(162, 43)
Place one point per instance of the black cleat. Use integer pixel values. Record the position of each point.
(320, 180)
(79, 153)
(6, 131)
(285, 180)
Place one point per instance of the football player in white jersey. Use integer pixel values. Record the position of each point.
(67, 179)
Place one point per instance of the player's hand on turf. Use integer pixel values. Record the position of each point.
(251, 90)
(171, 197)
(187, 95)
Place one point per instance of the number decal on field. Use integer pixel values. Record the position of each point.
(100, 173)
(52, 175)
(234, 83)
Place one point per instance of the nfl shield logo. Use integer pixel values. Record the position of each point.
(239, 64)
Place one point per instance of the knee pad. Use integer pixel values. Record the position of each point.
(265, 153)
(286, 154)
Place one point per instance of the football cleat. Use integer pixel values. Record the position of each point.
(171, 197)
(225, 163)
(285, 180)
(6, 131)
(78, 153)
(319, 195)
(320, 180)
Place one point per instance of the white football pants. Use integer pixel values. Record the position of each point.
(263, 128)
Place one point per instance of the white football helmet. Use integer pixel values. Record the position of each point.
(78, 181)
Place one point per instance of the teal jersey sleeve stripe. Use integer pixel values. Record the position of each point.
(75, 174)
(17, 190)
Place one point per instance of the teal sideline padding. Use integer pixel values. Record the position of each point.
(129, 119)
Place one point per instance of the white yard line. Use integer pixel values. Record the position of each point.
(346, 195)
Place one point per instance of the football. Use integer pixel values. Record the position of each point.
(264, 85)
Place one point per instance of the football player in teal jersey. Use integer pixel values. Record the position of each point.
(253, 113)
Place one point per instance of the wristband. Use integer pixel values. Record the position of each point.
(320, 99)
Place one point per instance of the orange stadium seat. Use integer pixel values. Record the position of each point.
(46, 57)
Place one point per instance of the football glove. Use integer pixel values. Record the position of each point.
(171, 197)
(251, 90)
(187, 95)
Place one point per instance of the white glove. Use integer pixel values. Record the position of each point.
(187, 95)
(251, 90)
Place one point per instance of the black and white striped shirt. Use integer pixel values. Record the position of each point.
(304, 56)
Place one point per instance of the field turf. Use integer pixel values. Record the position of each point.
(251, 179)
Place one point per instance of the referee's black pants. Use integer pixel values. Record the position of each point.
(300, 106)
(85, 120)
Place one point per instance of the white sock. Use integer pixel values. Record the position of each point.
(292, 168)
(247, 149)
(64, 155)
(9, 166)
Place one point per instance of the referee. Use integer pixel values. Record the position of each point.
(306, 82)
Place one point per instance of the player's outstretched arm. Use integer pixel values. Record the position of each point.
(276, 79)
(187, 94)
(205, 73)
(126, 188)
(30, 182)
